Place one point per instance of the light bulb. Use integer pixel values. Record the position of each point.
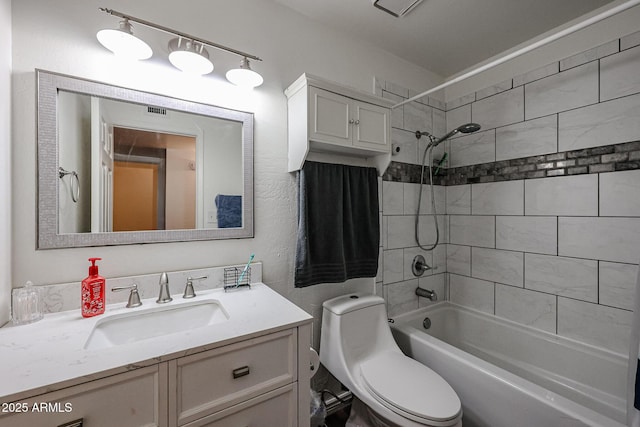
(244, 76)
(189, 56)
(123, 43)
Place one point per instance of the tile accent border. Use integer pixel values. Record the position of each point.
(608, 158)
(408, 172)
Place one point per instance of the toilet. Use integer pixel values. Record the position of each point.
(357, 347)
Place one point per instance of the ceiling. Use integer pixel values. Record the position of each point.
(446, 36)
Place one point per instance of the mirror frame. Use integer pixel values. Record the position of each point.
(47, 86)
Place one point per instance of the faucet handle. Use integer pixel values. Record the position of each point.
(134, 296)
(188, 289)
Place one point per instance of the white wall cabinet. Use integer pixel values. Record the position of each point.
(328, 122)
(346, 122)
(251, 382)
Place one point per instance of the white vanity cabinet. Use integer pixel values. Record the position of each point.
(250, 370)
(329, 122)
(275, 408)
(228, 377)
(132, 399)
(254, 382)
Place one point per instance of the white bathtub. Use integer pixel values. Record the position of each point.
(509, 375)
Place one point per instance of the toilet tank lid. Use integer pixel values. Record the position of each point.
(347, 303)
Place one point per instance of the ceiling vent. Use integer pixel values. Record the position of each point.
(156, 110)
(397, 8)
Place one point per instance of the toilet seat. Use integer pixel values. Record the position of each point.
(410, 389)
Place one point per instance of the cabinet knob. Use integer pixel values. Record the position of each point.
(357, 122)
(351, 121)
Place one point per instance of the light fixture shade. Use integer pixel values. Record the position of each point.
(244, 76)
(123, 43)
(189, 56)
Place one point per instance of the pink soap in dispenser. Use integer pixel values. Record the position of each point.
(93, 302)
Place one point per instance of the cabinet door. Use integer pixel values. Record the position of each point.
(277, 408)
(134, 399)
(371, 128)
(329, 116)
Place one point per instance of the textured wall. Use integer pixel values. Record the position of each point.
(60, 37)
(5, 159)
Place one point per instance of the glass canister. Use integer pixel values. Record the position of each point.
(27, 305)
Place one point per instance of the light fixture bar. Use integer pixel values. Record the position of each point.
(178, 33)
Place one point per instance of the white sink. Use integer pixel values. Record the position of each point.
(154, 322)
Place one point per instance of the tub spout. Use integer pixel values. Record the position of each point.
(426, 293)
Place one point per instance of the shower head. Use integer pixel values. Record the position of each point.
(466, 128)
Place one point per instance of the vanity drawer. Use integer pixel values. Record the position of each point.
(276, 408)
(132, 399)
(214, 380)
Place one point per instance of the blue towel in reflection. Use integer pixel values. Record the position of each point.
(229, 211)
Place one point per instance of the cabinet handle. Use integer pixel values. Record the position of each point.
(240, 372)
(351, 121)
(74, 423)
(357, 122)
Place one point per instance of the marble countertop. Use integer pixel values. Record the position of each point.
(50, 354)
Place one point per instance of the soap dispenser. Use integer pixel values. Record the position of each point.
(93, 299)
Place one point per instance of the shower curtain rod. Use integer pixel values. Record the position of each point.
(580, 25)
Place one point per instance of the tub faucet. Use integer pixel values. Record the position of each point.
(164, 296)
(419, 266)
(426, 293)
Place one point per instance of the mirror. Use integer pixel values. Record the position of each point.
(119, 166)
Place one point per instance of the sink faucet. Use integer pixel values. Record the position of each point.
(164, 296)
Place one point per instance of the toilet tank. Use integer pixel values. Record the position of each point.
(353, 327)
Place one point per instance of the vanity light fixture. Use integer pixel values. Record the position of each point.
(244, 76)
(122, 42)
(189, 56)
(186, 52)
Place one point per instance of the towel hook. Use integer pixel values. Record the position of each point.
(75, 194)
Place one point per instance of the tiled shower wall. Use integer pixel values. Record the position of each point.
(399, 205)
(543, 204)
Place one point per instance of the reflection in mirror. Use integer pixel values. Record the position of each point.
(139, 167)
(140, 178)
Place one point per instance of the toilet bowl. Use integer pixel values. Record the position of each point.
(357, 347)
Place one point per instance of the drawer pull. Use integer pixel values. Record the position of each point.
(74, 423)
(240, 372)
